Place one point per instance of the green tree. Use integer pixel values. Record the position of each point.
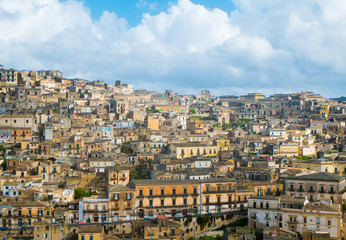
(80, 192)
(344, 206)
(3, 151)
(125, 148)
(319, 155)
(142, 170)
(193, 111)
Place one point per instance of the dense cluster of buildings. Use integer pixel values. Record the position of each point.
(91, 160)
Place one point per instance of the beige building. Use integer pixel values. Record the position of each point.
(185, 150)
(50, 230)
(296, 214)
(317, 186)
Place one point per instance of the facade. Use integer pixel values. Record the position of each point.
(295, 214)
(160, 197)
(186, 150)
(316, 186)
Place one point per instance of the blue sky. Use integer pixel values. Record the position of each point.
(271, 46)
(132, 10)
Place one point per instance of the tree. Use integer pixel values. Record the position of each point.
(319, 155)
(4, 163)
(125, 148)
(193, 111)
(80, 192)
(142, 170)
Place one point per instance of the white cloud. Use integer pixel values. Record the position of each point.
(272, 45)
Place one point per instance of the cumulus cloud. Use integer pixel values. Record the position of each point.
(270, 46)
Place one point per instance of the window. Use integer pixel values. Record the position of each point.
(301, 188)
(150, 203)
(150, 192)
(254, 204)
(173, 202)
(162, 191)
(91, 237)
(116, 196)
(140, 192)
(318, 221)
(162, 202)
(195, 190)
(185, 201)
(82, 237)
(291, 187)
(331, 189)
(261, 205)
(173, 191)
(185, 190)
(128, 196)
(328, 222)
(195, 201)
(267, 205)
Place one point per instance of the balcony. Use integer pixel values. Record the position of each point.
(167, 195)
(96, 210)
(220, 203)
(128, 205)
(215, 190)
(169, 206)
(293, 222)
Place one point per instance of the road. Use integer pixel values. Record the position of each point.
(238, 212)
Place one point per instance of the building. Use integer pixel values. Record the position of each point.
(316, 186)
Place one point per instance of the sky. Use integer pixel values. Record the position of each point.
(229, 47)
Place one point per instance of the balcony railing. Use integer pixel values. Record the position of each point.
(218, 191)
(167, 195)
(293, 222)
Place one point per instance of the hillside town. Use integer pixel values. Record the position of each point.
(91, 160)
